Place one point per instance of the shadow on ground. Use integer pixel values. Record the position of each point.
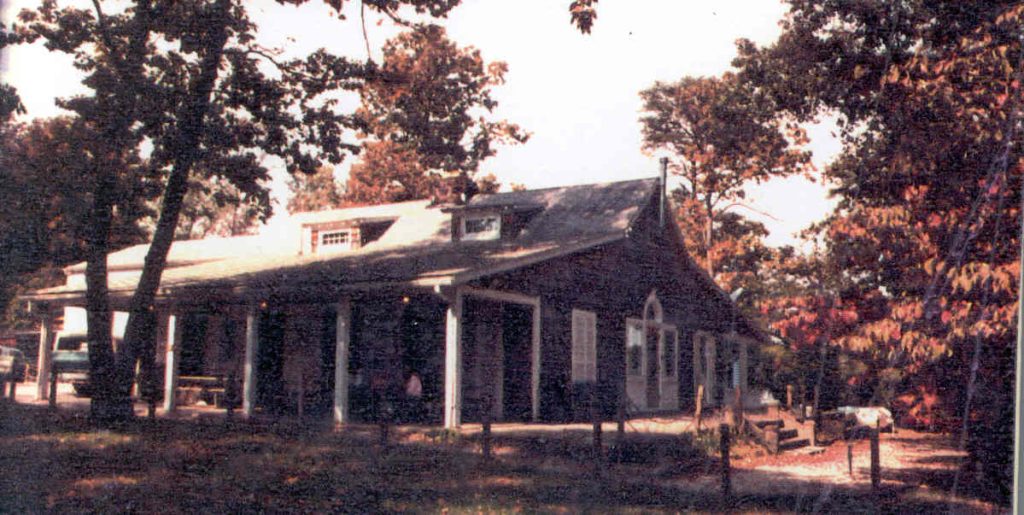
(54, 462)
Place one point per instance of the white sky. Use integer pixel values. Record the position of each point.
(578, 95)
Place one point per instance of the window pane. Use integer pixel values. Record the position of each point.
(478, 225)
(669, 366)
(334, 238)
(634, 351)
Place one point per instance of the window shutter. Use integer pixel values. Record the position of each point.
(584, 346)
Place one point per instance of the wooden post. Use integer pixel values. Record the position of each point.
(620, 416)
(815, 438)
(595, 416)
(723, 430)
(849, 458)
(171, 371)
(249, 370)
(817, 406)
(342, 341)
(737, 413)
(53, 389)
(486, 436)
(43, 390)
(453, 364)
(876, 466)
(700, 406)
(771, 438)
(789, 397)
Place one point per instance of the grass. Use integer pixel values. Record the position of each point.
(54, 462)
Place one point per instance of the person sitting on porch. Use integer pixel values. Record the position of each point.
(413, 401)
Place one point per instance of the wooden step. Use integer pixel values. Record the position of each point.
(789, 445)
(765, 423)
(786, 434)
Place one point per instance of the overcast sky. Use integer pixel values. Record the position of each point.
(578, 95)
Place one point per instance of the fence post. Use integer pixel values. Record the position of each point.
(849, 457)
(738, 409)
(595, 415)
(53, 389)
(876, 466)
(789, 397)
(487, 434)
(724, 444)
(620, 415)
(700, 406)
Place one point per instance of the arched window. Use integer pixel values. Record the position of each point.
(652, 308)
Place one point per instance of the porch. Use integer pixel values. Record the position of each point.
(469, 351)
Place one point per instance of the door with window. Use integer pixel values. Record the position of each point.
(652, 368)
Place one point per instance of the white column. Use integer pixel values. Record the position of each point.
(249, 372)
(45, 355)
(342, 339)
(535, 365)
(171, 369)
(453, 364)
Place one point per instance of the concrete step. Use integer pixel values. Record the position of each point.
(789, 445)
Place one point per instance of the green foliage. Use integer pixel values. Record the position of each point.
(425, 115)
(721, 135)
(314, 192)
(215, 207)
(188, 79)
(45, 190)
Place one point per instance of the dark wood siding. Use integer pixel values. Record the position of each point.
(613, 281)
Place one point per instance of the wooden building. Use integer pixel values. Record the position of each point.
(536, 305)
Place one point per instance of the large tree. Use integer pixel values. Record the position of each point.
(45, 192)
(188, 79)
(928, 95)
(214, 206)
(315, 192)
(427, 120)
(721, 136)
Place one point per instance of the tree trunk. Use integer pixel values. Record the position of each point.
(189, 131)
(105, 405)
(708, 226)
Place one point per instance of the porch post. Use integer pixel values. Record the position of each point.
(710, 371)
(453, 364)
(45, 355)
(743, 363)
(342, 339)
(171, 369)
(249, 372)
(535, 364)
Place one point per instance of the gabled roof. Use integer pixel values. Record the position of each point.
(416, 249)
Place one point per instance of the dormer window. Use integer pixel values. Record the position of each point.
(335, 240)
(480, 228)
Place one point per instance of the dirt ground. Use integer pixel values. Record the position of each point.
(53, 461)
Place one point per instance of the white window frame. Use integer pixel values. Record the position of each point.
(491, 234)
(584, 346)
(322, 240)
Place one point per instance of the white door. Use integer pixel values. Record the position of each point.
(652, 366)
(636, 384)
